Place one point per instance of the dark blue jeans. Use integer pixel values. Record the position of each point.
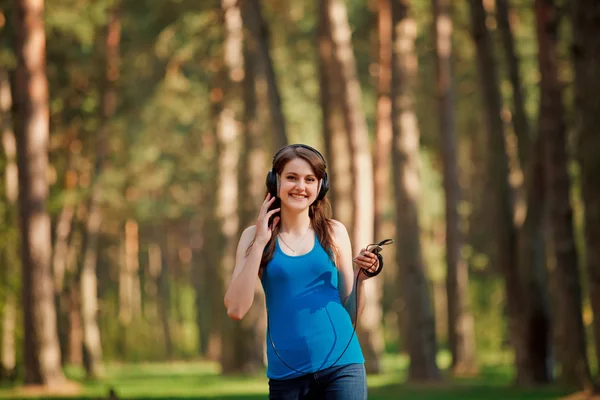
(343, 382)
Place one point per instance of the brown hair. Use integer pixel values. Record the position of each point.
(319, 211)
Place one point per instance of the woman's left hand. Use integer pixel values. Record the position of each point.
(368, 261)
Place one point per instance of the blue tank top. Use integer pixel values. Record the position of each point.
(308, 324)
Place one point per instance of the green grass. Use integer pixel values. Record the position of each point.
(201, 380)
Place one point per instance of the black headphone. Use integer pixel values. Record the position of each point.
(273, 177)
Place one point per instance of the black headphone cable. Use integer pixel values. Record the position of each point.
(374, 248)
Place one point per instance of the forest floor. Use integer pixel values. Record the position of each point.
(201, 380)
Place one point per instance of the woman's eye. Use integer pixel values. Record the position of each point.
(291, 178)
(310, 180)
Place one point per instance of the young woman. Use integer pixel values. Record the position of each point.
(313, 292)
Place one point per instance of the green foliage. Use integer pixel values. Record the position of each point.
(143, 338)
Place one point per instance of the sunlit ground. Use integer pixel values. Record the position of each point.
(201, 380)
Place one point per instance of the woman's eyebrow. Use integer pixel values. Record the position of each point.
(297, 174)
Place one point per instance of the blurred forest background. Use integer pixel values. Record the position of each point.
(137, 135)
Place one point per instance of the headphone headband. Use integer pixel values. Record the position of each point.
(304, 146)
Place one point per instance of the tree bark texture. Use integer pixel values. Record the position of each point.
(412, 283)
(502, 199)
(164, 291)
(212, 313)
(519, 118)
(337, 149)
(250, 332)
(571, 352)
(586, 59)
(530, 238)
(461, 325)
(383, 135)
(258, 37)
(64, 291)
(228, 154)
(40, 346)
(89, 280)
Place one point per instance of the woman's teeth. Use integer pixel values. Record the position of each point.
(296, 196)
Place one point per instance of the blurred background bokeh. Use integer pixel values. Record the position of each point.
(136, 140)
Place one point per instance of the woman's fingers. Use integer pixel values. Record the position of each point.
(273, 211)
(267, 203)
(366, 256)
(263, 230)
(264, 213)
(367, 260)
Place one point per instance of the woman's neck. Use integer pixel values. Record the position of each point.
(294, 223)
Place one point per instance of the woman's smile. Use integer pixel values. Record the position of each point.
(298, 196)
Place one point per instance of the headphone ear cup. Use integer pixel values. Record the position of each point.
(272, 184)
(324, 187)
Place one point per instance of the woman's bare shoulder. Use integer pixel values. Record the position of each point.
(248, 234)
(338, 227)
(339, 232)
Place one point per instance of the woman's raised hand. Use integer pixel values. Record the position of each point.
(368, 261)
(263, 230)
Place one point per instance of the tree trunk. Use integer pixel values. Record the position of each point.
(68, 299)
(383, 135)
(335, 139)
(361, 169)
(64, 224)
(227, 197)
(412, 283)
(89, 281)
(530, 239)
(40, 348)
(586, 57)
(211, 313)
(259, 38)
(198, 245)
(251, 182)
(227, 162)
(519, 118)
(461, 329)
(129, 281)
(8, 252)
(479, 235)
(61, 246)
(383, 205)
(537, 329)
(572, 349)
(74, 326)
(62, 292)
(502, 202)
(89, 296)
(164, 291)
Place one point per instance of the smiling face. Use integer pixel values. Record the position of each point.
(298, 184)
